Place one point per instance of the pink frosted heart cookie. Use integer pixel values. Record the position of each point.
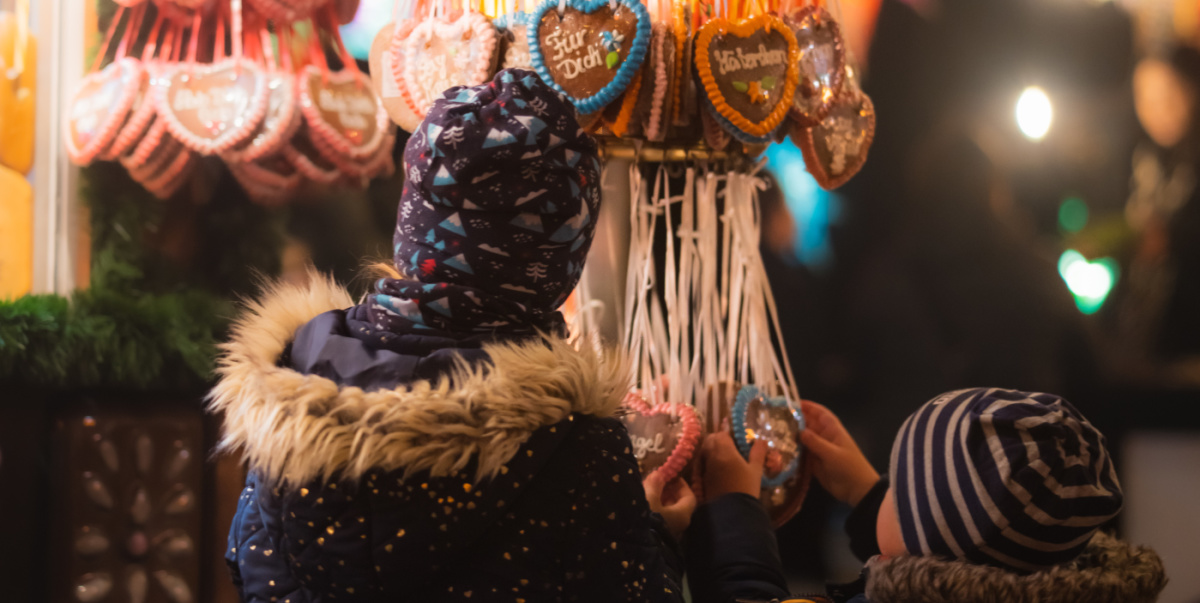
(279, 124)
(442, 54)
(664, 436)
(213, 108)
(342, 111)
(100, 107)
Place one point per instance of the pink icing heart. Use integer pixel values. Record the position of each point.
(100, 107)
(279, 124)
(212, 108)
(342, 112)
(664, 436)
(442, 54)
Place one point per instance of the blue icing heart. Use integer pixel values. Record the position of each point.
(737, 419)
(625, 73)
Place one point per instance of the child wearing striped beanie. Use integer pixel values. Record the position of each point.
(991, 495)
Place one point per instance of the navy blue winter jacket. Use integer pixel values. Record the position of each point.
(462, 471)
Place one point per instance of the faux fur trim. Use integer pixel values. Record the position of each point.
(1108, 571)
(294, 428)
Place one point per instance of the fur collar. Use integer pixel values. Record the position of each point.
(293, 428)
(1108, 571)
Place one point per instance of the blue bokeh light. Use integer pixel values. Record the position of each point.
(358, 34)
(813, 208)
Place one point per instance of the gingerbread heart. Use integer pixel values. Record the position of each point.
(619, 116)
(664, 436)
(591, 50)
(836, 149)
(715, 136)
(212, 108)
(342, 111)
(756, 416)
(441, 54)
(658, 83)
(269, 180)
(822, 63)
(681, 29)
(748, 71)
(99, 108)
(173, 176)
(304, 155)
(398, 107)
(287, 11)
(279, 124)
(514, 41)
(137, 120)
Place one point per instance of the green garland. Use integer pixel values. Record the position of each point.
(107, 338)
(153, 314)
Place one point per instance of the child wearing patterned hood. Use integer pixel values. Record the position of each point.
(441, 441)
(992, 495)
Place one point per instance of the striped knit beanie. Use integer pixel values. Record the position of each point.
(1000, 477)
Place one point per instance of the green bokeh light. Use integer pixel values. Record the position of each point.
(1072, 215)
(1089, 282)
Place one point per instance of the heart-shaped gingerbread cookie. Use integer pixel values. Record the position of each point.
(658, 83)
(100, 107)
(589, 51)
(212, 108)
(383, 75)
(822, 63)
(664, 436)
(748, 71)
(279, 124)
(756, 416)
(835, 149)
(342, 110)
(514, 41)
(441, 54)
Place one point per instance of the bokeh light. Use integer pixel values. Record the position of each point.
(1034, 113)
(813, 208)
(1072, 215)
(1089, 281)
(359, 33)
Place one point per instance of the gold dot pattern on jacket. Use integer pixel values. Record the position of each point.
(565, 519)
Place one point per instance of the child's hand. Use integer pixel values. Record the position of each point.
(726, 471)
(837, 462)
(674, 501)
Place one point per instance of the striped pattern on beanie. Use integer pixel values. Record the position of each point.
(1001, 477)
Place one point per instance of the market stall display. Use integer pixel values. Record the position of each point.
(251, 85)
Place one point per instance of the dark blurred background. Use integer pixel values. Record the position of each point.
(978, 247)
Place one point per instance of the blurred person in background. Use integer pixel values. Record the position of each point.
(1158, 320)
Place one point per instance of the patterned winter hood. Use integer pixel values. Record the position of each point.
(1108, 571)
(294, 428)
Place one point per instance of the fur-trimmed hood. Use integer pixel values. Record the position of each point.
(1108, 571)
(294, 428)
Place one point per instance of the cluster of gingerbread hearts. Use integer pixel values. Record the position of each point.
(766, 77)
(666, 436)
(275, 128)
